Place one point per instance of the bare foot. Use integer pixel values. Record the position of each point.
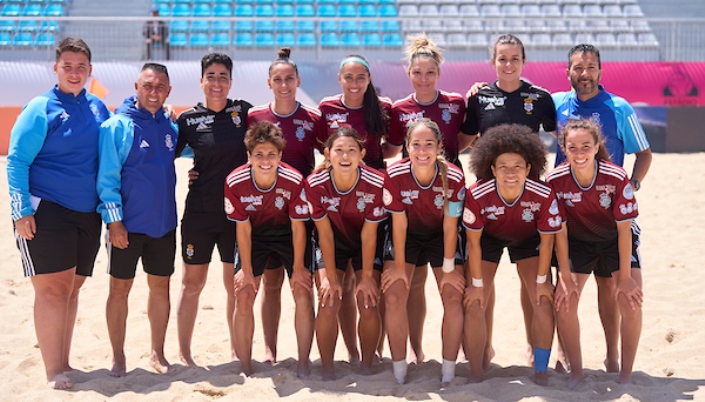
(625, 378)
(187, 360)
(562, 367)
(302, 369)
(541, 378)
(365, 370)
(574, 380)
(445, 385)
(487, 359)
(246, 369)
(612, 366)
(329, 374)
(475, 380)
(233, 355)
(67, 368)
(270, 357)
(355, 362)
(159, 364)
(60, 381)
(119, 369)
(416, 358)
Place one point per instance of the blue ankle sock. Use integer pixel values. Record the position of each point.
(541, 357)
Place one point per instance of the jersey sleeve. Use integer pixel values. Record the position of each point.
(396, 131)
(550, 217)
(548, 119)
(26, 140)
(471, 125)
(629, 129)
(624, 206)
(456, 198)
(114, 144)
(391, 197)
(472, 218)
(312, 197)
(298, 207)
(376, 211)
(234, 209)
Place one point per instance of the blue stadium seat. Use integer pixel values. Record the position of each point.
(386, 1)
(305, 25)
(200, 26)
(304, 1)
(220, 39)
(32, 10)
(306, 40)
(178, 26)
(326, 10)
(387, 10)
(350, 39)
(11, 10)
(305, 10)
(5, 39)
(347, 10)
(7, 25)
(177, 39)
(27, 25)
(161, 1)
(264, 10)
(181, 1)
(264, 40)
(264, 25)
(285, 25)
(327, 1)
(365, 2)
(285, 39)
(369, 26)
(198, 40)
(244, 10)
(392, 40)
(285, 1)
(390, 26)
(367, 10)
(44, 39)
(202, 1)
(243, 25)
(222, 10)
(349, 26)
(243, 1)
(285, 10)
(163, 9)
(201, 10)
(181, 10)
(54, 10)
(49, 26)
(330, 40)
(222, 1)
(220, 26)
(243, 40)
(264, 1)
(23, 39)
(371, 40)
(329, 26)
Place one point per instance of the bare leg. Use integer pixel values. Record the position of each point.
(528, 310)
(71, 318)
(568, 327)
(396, 319)
(327, 329)
(452, 326)
(304, 324)
(271, 311)
(475, 337)
(116, 316)
(192, 283)
(609, 316)
(369, 328)
(244, 323)
(158, 307)
(630, 329)
(348, 317)
(229, 284)
(417, 305)
(51, 298)
(489, 324)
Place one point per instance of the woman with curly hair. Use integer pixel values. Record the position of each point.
(505, 208)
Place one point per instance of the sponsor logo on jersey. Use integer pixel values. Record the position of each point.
(307, 125)
(144, 144)
(250, 207)
(252, 199)
(205, 119)
(494, 210)
(533, 97)
(387, 197)
(337, 118)
(279, 203)
(333, 203)
(410, 195)
(285, 193)
(492, 217)
(64, 116)
(628, 192)
(607, 188)
(490, 107)
(169, 142)
(237, 108)
(468, 216)
(450, 107)
(605, 200)
(203, 127)
(533, 206)
(409, 118)
(569, 203)
(229, 208)
(527, 215)
(497, 101)
(367, 197)
(628, 208)
(570, 197)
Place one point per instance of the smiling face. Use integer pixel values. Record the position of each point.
(510, 170)
(423, 147)
(580, 150)
(344, 154)
(283, 81)
(354, 80)
(424, 74)
(508, 62)
(216, 82)
(265, 159)
(584, 74)
(72, 71)
(152, 90)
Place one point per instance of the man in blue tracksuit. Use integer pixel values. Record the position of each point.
(136, 185)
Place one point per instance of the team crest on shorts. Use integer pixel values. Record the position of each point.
(190, 251)
(605, 200)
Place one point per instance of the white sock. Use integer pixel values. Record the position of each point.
(400, 370)
(447, 371)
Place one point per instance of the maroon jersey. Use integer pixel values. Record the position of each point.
(535, 210)
(347, 211)
(270, 210)
(423, 204)
(447, 110)
(300, 129)
(337, 115)
(592, 213)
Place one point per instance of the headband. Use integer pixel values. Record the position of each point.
(356, 60)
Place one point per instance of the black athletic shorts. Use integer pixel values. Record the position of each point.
(157, 255)
(493, 248)
(64, 239)
(274, 254)
(600, 258)
(343, 254)
(421, 250)
(200, 233)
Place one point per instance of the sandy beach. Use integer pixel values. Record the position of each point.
(670, 363)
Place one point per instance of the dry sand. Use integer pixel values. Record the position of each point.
(670, 364)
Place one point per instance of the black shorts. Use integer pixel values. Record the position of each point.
(601, 258)
(157, 255)
(493, 248)
(200, 233)
(64, 239)
(274, 254)
(422, 250)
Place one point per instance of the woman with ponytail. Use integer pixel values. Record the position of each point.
(425, 194)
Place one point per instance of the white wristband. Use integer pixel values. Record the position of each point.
(541, 279)
(478, 283)
(448, 265)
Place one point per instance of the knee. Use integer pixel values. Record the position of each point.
(474, 312)
(303, 297)
(120, 288)
(395, 298)
(245, 300)
(193, 286)
(451, 297)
